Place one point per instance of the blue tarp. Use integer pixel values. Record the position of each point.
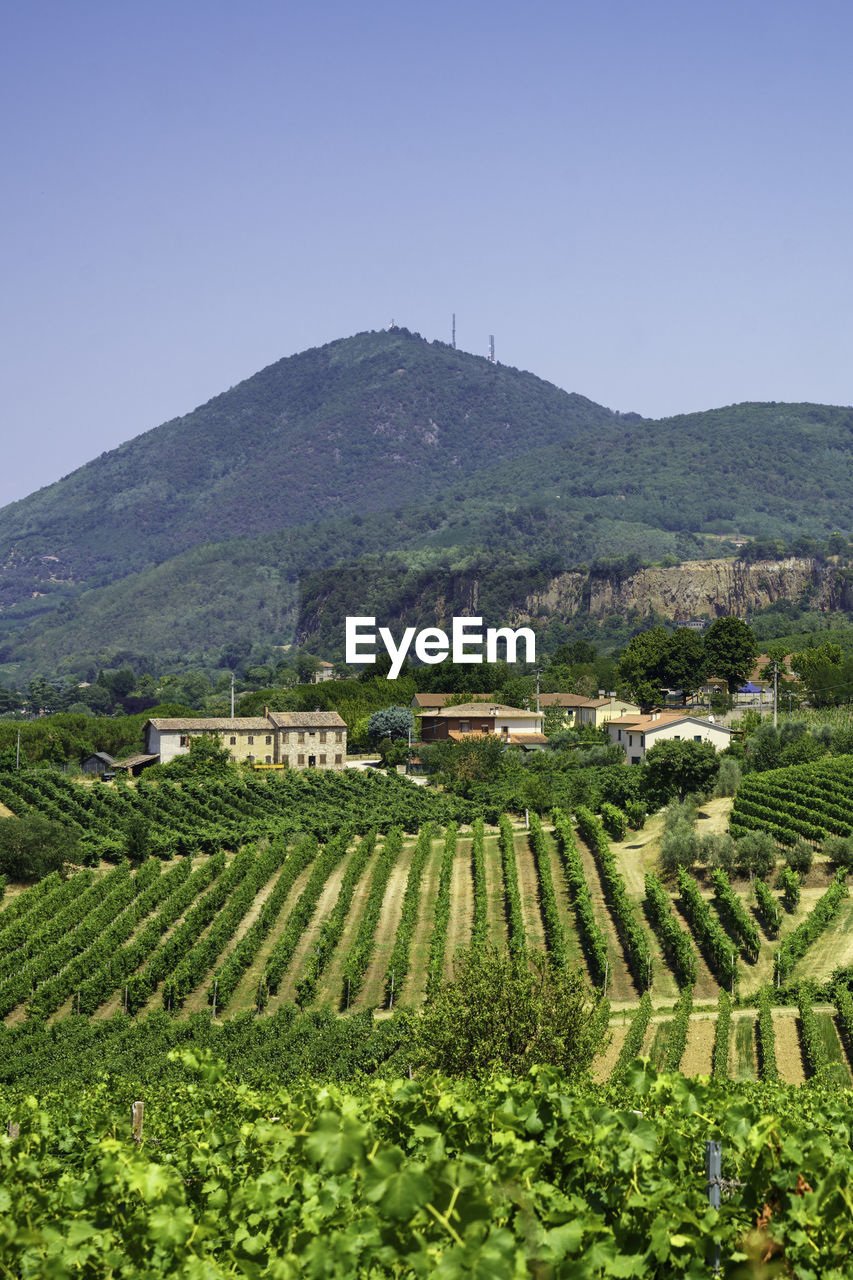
(749, 687)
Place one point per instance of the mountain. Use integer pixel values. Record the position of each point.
(386, 471)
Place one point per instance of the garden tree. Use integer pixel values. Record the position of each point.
(641, 665)
(390, 722)
(730, 651)
(208, 757)
(506, 1013)
(684, 660)
(674, 768)
(32, 846)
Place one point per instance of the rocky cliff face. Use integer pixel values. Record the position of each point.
(699, 588)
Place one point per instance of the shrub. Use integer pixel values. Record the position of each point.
(729, 777)
(679, 847)
(507, 1012)
(839, 850)
(800, 857)
(756, 852)
(636, 811)
(718, 850)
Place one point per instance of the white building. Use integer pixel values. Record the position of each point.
(635, 734)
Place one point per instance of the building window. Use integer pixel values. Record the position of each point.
(285, 737)
(322, 735)
(268, 759)
(269, 739)
(464, 726)
(323, 758)
(250, 739)
(185, 742)
(300, 759)
(251, 759)
(300, 737)
(338, 758)
(339, 737)
(697, 737)
(233, 742)
(485, 728)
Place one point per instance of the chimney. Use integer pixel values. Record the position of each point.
(266, 713)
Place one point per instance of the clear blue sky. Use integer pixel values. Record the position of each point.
(648, 203)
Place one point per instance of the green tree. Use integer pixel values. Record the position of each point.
(390, 722)
(684, 660)
(207, 757)
(33, 846)
(137, 838)
(507, 1013)
(730, 651)
(673, 768)
(641, 666)
(756, 852)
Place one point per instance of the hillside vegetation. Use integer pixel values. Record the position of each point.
(247, 516)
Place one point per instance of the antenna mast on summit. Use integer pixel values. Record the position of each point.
(453, 332)
(492, 348)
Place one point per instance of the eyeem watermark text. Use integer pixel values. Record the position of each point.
(464, 644)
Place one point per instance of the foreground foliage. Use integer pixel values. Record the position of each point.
(500, 1178)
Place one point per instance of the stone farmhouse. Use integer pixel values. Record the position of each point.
(635, 734)
(278, 739)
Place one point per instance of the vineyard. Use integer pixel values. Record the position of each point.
(160, 1024)
(369, 913)
(802, 802)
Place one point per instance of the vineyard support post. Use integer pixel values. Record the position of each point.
(137, 1116)
(713, 1174)
(527, 819)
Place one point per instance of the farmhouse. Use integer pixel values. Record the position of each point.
(296, 739)
(635, 734)
(476, 719)
(595, 712)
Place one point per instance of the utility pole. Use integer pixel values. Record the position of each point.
(775, 691)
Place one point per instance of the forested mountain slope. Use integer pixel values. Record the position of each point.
(219, 523)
